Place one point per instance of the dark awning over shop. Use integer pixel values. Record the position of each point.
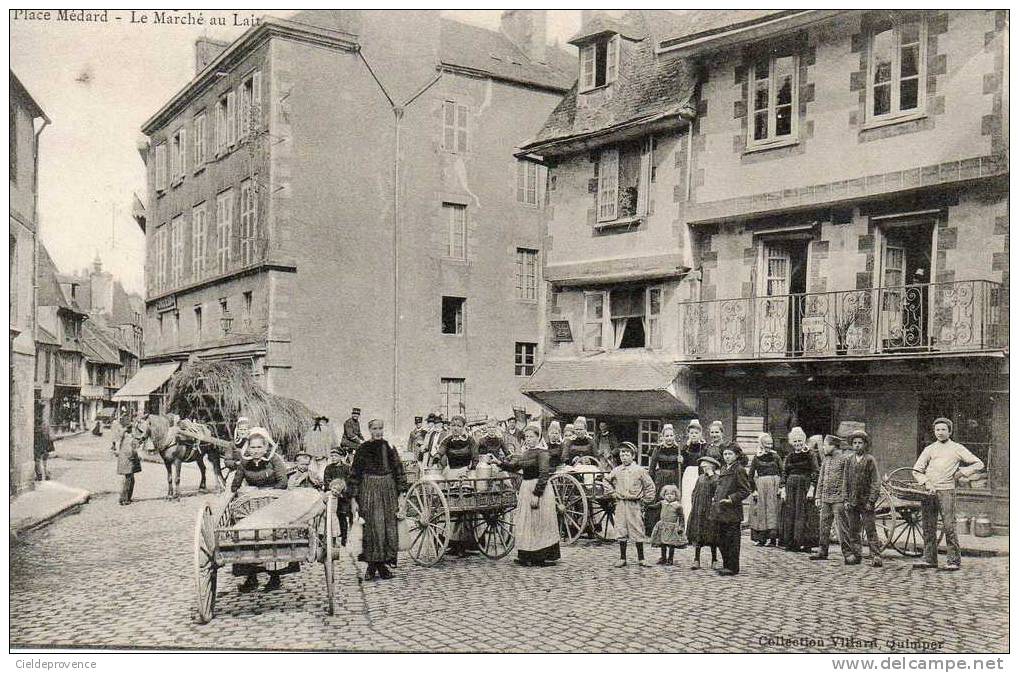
(600, 387)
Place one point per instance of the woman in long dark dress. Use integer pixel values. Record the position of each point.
(458, 455)
(555, 446)
(665, 470)
(535, 525)
(700, 530)
(798, 474)
(377, 479)
(765, 478)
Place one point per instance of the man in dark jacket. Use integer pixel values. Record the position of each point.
(352, 437)
(727, 509)
(43, 449)
(416, 436)
(862, 491)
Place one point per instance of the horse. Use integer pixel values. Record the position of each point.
(176, 450)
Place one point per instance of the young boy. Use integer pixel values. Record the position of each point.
(128, 464)
(939, 465)
(863, 486)
(302, 476)
(334, 478)
(727, 509)
(632, 486)
(830, 498)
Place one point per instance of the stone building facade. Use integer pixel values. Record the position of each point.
(369, 239)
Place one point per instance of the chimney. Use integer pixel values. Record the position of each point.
(528, 29)
(206, 51)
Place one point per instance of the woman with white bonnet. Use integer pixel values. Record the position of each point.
(691, 454)
(535, 525)
(798, 474)
(664, 468)
(765, 478)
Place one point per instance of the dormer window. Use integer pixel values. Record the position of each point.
(599, 62)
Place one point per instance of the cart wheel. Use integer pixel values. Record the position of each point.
(430, 523)
(205, 565)
(603, 518)
(329, 562)
(907, 537)
(571, 506)
(493, 531)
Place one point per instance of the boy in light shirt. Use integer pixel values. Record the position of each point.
(937, 468)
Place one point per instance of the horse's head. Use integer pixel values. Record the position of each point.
(140, 429)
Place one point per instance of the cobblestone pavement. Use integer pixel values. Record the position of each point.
(116, 576)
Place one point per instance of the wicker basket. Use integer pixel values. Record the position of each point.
(905, 489)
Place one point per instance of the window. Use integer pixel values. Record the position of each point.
(246, 311)
(177, 252)
(13, 145)
(453, 315)
(896, 85)
(178, 155)
(456, 230)
(162, 332)
(231, 118)
(599, 63)
(527, 182)
(524, 355)
(251, 97)
(199, 231)
(160, 158)
(226, 122)
(199, 140)
(773, 100)
(454, 126)
(224, 312)
(624, 175)
(224, 229)
(453, 397)
(594, 319)
(249, 222)
(527, 274)
(633, 318)
(198, 323)
(648, 431)
(176, 327)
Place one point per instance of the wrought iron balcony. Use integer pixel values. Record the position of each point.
(960, 316)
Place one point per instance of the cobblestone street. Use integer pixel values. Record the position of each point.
(116, 576)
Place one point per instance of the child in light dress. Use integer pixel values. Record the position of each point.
(668, 532)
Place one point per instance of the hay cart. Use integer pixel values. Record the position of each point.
(221, 538)
(897, 513)
(585, 502)
(478, 508)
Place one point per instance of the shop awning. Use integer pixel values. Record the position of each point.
(603, 387)
(147, 379)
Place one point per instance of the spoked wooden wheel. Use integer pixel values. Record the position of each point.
(430, 525)
(603, 511)
(205, 565)
(329, 560)
(493, 531)
(571, 506)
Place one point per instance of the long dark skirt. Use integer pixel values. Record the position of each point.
(378, 504)
(798, 530)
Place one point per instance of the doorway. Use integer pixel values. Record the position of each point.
(905, 285)
(784, 284)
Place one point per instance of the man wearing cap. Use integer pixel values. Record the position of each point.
(830, 499)
(513, 436)
(937, 468)
(352, 437)
(433, 435)
(417, 435)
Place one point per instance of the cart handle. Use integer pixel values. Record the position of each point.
(888, 476)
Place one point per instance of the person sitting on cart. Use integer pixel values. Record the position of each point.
(302, 476)
(260, 467)
(580, 449)
(458, 453)
(334, 478)
(492, 442)
(241, 431)
(535, 523)
(936, 469)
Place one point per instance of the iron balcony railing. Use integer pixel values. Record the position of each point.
(958, 316)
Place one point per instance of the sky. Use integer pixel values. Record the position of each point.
(97, 83)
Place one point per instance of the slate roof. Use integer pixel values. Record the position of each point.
(648, 87)
(48, 280)
(95, 346)
(692, 24)
(491, 52)
(44, 336)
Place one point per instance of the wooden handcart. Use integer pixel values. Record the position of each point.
(436, 509)
(898, 516)
(585, 502)
(221, 539)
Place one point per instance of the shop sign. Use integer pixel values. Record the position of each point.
(561, 331)
(814, 325)
(166, 303)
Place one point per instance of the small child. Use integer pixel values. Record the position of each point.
(128, 464)
(302, 476)
(668, 532)
(700, 529)
(632, 486)
(334, 478)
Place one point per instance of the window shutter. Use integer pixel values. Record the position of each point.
(608, 184)
(644, 183)
(587, 67)
(612, 60)
(231, 118)
(449, 125)
(461, 128)
(183, 152)
(161, 167)
(256, 100)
